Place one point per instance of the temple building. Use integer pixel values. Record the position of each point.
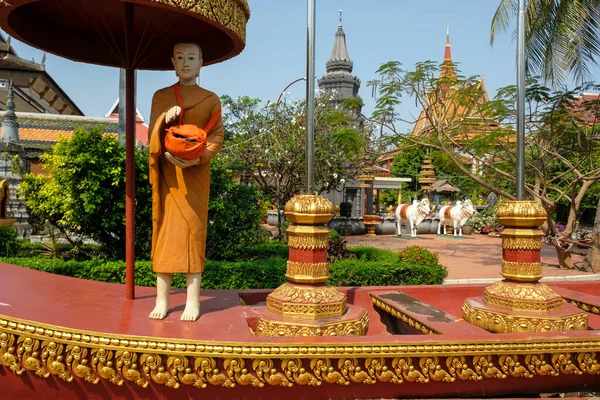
(466, 121)
(338, 83)
(34, 89)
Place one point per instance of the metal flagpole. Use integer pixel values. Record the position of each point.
(521, 102)
(310, 95)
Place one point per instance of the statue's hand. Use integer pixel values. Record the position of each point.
(180, 162)
(172, 114)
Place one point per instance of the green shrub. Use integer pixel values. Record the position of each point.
(364, 253)
(375, 273)
(234, 215)
(270, 249)
(9, 244)
(265, 273)
(417, 255)
(28, 249)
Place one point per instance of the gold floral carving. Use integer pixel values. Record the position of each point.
(306, 301)
(591, 308)
(518, 271)
(232, 14)
(523, 213)
(309, 209)
(522, 296)
(508, 322)
(354, 327)
(521, 243)
(397, 313)
(305, 272)
(308, 242)
(53, 351)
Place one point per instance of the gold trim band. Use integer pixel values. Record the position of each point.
(521, 243)
(46, 358)
(307, 273)
(523, 272)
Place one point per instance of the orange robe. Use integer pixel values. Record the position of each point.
(180, 196)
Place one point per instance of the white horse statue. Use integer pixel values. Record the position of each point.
(457, 215)
(414, 213)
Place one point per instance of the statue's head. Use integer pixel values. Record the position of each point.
(187, 61)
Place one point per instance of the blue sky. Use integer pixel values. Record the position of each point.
(275, 54)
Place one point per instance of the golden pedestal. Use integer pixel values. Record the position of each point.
(305, 306)
(520, 303)
(370, 222)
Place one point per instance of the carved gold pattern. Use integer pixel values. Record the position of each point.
(308, 242)
(351, 327)
(521, 243)
(309, 209)
(522, 296)
(64, 353)
(509, 321)
(591, 308)
(310, 302)
(232, 14)
(307, 273)
(524, 272)
(521, 213)
(397, 313)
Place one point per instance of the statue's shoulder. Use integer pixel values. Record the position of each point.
(210, 96)
(166, 92)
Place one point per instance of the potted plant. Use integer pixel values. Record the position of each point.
(467, 228)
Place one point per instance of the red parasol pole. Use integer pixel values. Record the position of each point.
(129, 160)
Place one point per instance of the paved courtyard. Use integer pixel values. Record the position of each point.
(476, 258)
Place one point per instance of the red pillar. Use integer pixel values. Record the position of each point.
(130, 184)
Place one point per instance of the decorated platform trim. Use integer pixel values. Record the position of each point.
(54, 351)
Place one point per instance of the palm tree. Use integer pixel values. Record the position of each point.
(562, 36)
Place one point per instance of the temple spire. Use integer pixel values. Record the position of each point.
(10, 126)
(338, 83)
(447, 52)
(340, 51)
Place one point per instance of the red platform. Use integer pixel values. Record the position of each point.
(70, 338)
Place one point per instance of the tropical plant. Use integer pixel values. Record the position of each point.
(562, 36)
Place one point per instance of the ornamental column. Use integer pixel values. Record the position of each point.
(305, 306)
(520, 303)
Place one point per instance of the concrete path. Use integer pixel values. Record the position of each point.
(474, 259)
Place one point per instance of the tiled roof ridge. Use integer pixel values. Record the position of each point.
(46, 116)
(22, 61)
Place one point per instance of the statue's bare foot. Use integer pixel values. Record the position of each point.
(160, 311)
(191, 312)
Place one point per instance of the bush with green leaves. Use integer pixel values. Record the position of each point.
(265, 269)
(234, 217)
(417, 255)
(83, 194)
(9, 244)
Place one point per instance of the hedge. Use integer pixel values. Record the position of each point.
(262, 273)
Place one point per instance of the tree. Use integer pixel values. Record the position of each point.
(266, 145)
(562, 153)
(83, 194)
(562, 36)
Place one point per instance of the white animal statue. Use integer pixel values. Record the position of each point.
(414, 213)
(455, 216)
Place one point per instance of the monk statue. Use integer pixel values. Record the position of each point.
(180, 186)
